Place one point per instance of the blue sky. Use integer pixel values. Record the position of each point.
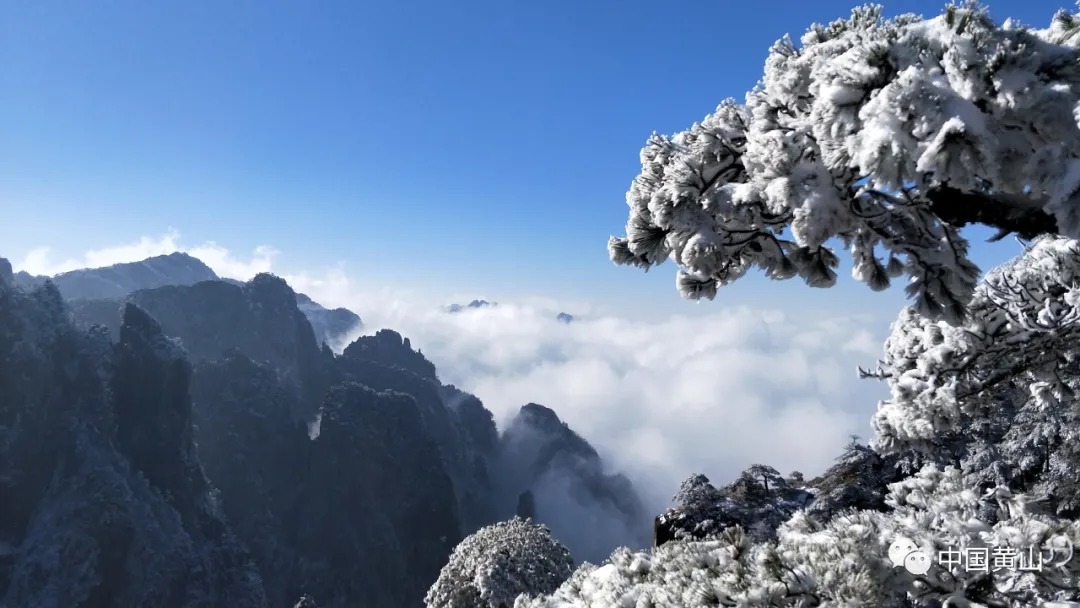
(475, 146)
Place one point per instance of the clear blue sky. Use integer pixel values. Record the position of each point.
(485, 145)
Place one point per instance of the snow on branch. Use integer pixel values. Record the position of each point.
(845, 560)
(885, 135)
(1023, 326)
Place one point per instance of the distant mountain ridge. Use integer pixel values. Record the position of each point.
(562, 317)
(102, 288)
(474, 304)
(118, 280)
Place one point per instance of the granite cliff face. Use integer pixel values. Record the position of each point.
(103, 500)
(588, 508)
(386, 361)
(355, 508)
(300, 441)
(196, 445)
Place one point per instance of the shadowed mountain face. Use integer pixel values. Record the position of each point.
(259, 318)
(386, 361)
(363, 512)
(331, 326)
(210, 453)
(590, 510)
(95, 294)
(104, 502)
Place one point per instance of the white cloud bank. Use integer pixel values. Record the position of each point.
(661, 400)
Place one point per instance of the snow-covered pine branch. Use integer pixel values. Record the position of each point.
(1022, 329)
(842, 561)
(491, 567)
(886, 134)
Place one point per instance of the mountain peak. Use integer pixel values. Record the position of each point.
(473, 304)
(539, 415)
(119, 280)
(388, 346)
(7, 274)
(272, 288)
(139, 328)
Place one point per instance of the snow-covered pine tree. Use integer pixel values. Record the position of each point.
(890, 135)
(995, 395)
(998, 392)
(492, 566)
(758, 501)
(887, 135)
(843, 561)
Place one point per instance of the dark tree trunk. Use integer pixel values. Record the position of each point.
(662, 532)
(959, 209)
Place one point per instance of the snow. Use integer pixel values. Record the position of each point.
(908, 104)
(496, 564)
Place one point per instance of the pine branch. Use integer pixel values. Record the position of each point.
(1009, 214)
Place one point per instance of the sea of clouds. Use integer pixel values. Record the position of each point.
(660, 399)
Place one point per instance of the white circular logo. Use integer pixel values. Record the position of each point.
(900, 549)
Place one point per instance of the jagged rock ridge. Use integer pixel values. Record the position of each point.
(118, 280)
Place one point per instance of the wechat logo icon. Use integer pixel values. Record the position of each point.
(904, 552)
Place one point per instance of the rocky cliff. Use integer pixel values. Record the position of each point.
(102, 499)
(196, 445)
(585, 506)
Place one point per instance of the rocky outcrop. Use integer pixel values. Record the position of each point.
(103, 501)
(591, 510)
(264, 458)
(461, 432)
(389, 348)
(377, 518)
(361, 512)
(259, 319)
(331, 326)
(476, 420)
(6, 274)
